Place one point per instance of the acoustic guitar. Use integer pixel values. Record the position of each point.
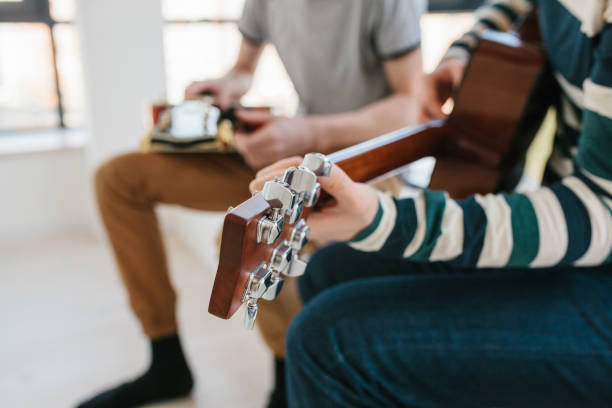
(195, 126)
(479, 148)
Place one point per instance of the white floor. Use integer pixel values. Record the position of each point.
(66, 330)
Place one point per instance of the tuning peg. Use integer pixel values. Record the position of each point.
(280, 259)
(300, 178)
(269, 229)
(297, 268)
(250, 314)
(299, 236)
(279, 195)
(303, 181)
(282, 200)
(273, 290)
(257, 285)
(318, 163)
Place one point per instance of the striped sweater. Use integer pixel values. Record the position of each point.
(566, 222)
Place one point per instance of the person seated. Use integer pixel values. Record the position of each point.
(495, 300)
(356, 67)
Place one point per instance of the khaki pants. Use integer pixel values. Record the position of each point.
(129, 187)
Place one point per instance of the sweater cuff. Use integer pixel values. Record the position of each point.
(458, 52)
(373, 237)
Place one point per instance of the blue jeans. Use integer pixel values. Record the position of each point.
(377, 332)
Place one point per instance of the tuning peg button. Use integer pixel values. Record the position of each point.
(279, 195)
(297, 268)
(272, 292)
(280, 259)
(300, 178)
(318, 163)
(299, 236)
(269, 229)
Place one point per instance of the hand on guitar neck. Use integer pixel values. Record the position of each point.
(352, 207)
(479, 148)
(440, 86)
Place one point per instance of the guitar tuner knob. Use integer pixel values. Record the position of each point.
(279, 195)
(282, 200)
(274, 289)
(303, 181)
(297, 268)
(299, 236)
(280, 259)
(300, 178)
(318, 163)
(269, 228)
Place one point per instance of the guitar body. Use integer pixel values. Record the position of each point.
(480, 148)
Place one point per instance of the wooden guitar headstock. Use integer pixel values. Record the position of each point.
(250, 269)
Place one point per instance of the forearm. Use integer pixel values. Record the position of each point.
(334, 132)
(240, 76)
(239, 81)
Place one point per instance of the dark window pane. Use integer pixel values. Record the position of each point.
(27, 87)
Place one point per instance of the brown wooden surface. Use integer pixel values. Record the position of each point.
(482, 140)
(492, 98)
(410, 145)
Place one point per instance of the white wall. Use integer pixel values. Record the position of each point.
(123, 64)
(46, 193)
(123, 59)
(43, 194)
(49, 191)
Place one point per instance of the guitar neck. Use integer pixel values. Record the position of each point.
(387, 153)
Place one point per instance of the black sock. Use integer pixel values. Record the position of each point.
(168, 377)
(278, 396)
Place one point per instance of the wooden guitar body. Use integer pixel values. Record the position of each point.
(480, 148)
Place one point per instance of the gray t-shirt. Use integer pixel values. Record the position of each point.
(333, 50)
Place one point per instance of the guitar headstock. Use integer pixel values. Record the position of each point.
(262, 238)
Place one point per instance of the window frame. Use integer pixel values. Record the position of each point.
(25, 11)
(37, 11)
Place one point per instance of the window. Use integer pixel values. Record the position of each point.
(41, 84)
(189, 57)
(40, 71)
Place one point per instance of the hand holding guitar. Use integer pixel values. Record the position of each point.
(275, 137)
(263, 236)
(352, 208)
(440, 84)
(227, 89)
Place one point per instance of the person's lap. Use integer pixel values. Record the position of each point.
(378, 332)
(205, 181)
(130, 185)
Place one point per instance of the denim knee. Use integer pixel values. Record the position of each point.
(308, 335)
(319, 273)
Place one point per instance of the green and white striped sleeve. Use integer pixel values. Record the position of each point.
(498, 15)
(566, 223)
